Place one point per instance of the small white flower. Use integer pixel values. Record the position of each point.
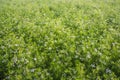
(28, 52)
(3, 61)
(39, 73)
(19, 66)
(100, 53)
(32, 70)
(55, 41)
(96, 50)
(59, 62)
(47, 74)
(42, 76)
(108, 70)
(76, 56)
(2, 47)
(88, 55)
(35, 59)
(93, 65)
(15, 59)
(26, 61)
(8, 77)
(16, 45)
(49, 48)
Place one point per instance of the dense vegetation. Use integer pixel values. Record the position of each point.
(59, 39)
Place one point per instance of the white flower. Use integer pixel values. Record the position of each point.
(8, 77)
(108, 70)
(16, 45)
(76, 56)
(96, 50)
(100, 53)
(47, 74)
(49, 48)
(32, 70)
(2, 47)
(26, 61)
(15, 59)
(3, 61)
(93, 65)
(88, 55)
(35, 59)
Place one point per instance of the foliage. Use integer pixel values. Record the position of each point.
(59, 40)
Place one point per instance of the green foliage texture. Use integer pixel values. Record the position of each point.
(59, 39)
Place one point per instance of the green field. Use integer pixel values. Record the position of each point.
(59, 39)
